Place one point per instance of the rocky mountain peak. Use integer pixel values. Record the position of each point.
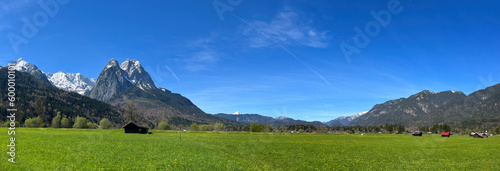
(116, 78)
(24, 66)
(112, 63)
(132, 64)
(135, 73)
(426, 92)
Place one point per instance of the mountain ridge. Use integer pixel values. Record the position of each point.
(24, 66)
(278, 121)
(404, 110)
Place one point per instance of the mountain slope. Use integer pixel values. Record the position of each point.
(71, 82)
(477, 109)
(405, 110)
(23, 66)
(38, 98)
(344, 120)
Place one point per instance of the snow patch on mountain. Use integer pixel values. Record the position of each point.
(345, 120)
(24, 66)
(74, 82)
(282, 118)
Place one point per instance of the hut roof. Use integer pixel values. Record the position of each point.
(132, 124)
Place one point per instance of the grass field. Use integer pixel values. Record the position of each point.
(74, 149)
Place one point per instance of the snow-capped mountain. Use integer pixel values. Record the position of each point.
(23, 66)
(344, 120)
(282, 118)
(116, 78)
(71, 82)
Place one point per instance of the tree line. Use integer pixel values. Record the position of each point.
(62, 121)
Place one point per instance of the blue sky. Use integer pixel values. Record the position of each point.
(268, 57)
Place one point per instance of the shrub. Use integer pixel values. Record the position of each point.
(256, 127)
(65, 123)
(322, 129)
(163, 126)
(105, 124)
(56, 122)
(7, 124)
(34, 122)
(219, 126)
(193, 127)
(91, 125)
(206, 128)
(80, 122)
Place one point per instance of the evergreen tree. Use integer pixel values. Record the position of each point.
(389, 128)
(401, 129)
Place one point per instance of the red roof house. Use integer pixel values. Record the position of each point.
(445, 134)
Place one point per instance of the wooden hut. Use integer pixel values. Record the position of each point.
(417, 133)
(445, 134)
(131, 127)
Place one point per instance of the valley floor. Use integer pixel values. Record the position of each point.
(76, 149)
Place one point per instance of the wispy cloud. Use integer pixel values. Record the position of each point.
(9, 7)
(286, 28)
(276, 42)
(202, 56)
(158, 74)
(202, 60)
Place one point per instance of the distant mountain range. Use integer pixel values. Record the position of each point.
(278, 121)
(128, 83)
(121, 85)
(73, 82)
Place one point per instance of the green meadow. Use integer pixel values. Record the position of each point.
(89, 149)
